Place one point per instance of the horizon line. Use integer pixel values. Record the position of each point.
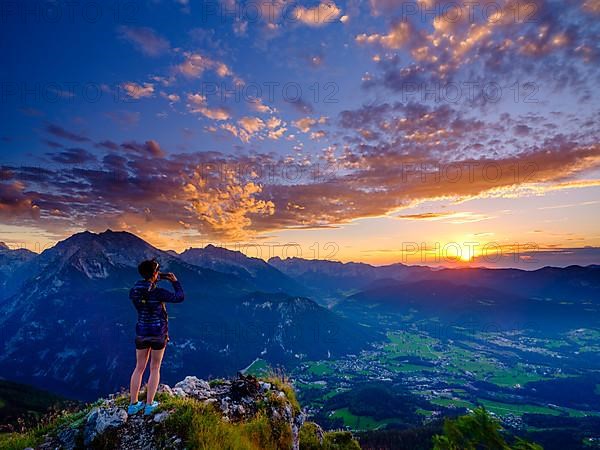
(472, 263)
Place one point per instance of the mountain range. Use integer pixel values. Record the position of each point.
(67, 324)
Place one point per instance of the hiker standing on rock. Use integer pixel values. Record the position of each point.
(152, 331)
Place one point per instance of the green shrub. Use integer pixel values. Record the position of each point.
(308, 437)
(475, 431)
(332, 440)
(202, 428)
(289, 391)
(19, 441)
(340, 440)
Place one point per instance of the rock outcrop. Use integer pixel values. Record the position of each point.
(107, 425)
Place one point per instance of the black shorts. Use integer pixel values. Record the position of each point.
(153, 342)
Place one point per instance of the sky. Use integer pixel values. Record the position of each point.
(382, 131)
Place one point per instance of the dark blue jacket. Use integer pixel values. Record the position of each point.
(149, 301)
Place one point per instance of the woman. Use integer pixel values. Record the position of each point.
(152, 331)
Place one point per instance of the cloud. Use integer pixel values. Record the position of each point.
(322, 14)
(195, 64)
(448, 217)
(248, 128)
(534, 258)
(197, 105)
(301, 106)
(196, 99)
(444, 42)
(318, 135)
(145, 39)
(15, 202)
(251, 124)
(72, 156)
(124, 118)
(305, 124)
(125, 192)
(277, 133)
(137, 91)
(258, 106)
(398, 37)
(107, 144)
(591, 6)
(254, 127)
(227, 210)
(276, 128)
(173, 98)
(197, 190)
(52, 144)
(60, 132)
(212, 113)
(150, 147)
(425, 216)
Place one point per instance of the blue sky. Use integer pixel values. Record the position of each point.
(113, 116)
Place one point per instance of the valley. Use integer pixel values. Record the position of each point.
(517, 375)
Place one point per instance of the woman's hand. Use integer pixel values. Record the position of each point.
(170, 276)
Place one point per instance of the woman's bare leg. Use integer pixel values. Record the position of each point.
(141, 359)
(155, 361)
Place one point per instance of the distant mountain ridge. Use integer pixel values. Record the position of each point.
(343, 278)
(263, 275)
(334, 279)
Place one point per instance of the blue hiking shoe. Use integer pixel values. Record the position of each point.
(149, 409)
(135, 408)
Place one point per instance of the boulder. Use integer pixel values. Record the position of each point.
(101, 419)
(192, 387)
(264, 386)
(68, 438)
(244, 386)
(161, 416)
(164, 389)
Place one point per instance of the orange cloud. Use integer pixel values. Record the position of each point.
(324, 13)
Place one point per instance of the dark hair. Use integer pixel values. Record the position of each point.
(148, 268)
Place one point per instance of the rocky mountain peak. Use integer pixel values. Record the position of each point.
(213, 251)
(94, 253)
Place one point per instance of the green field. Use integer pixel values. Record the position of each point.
(258, 368)
(360, 422)
(320, 368)
(404, 343)
(516, 376)
(452, 402)
(517, 410)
